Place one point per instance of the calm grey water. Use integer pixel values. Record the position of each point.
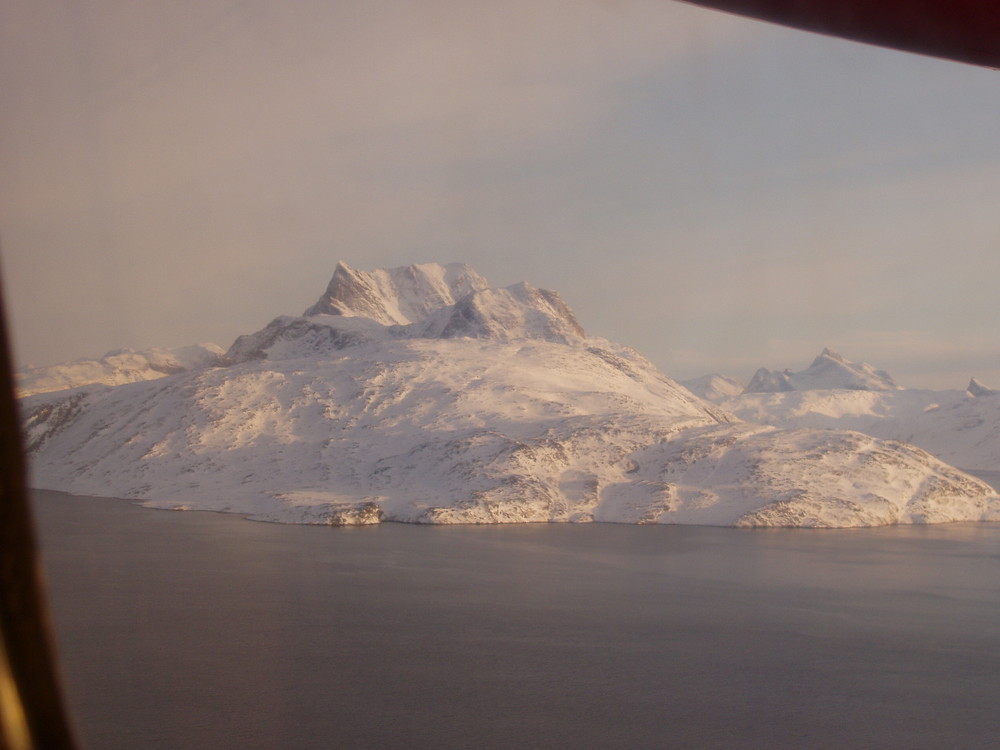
(199, 630)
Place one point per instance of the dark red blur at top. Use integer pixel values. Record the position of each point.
(967, 31)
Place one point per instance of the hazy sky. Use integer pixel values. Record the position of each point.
(720, 193)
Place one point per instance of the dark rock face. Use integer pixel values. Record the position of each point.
(978, 390)
(363, 514)
(768, 381)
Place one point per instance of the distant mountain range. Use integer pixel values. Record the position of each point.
(117, 367)
(828, 370)
(422, 394)
(961, 427)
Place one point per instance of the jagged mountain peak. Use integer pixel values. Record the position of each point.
(829, 370)
(769, 381)
(396, 296)
(977, 389)
(830, 354)
(517, 311)
(426, 301)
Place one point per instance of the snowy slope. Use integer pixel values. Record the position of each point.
(519, 312)
(714, 387)
(960, 427)
(828, 370)
(953, 425)
(116, 368)
(493, 409)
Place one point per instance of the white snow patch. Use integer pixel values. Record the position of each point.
(492, 408)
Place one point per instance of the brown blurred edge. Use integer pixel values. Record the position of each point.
(33, 714)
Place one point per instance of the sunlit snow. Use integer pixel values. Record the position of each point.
(421, 394)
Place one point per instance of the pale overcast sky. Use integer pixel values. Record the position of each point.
(720, 193)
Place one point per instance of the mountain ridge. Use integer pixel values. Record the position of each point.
(396, 296)
(116, 368)
(714, 387)
(828, 370)
(495, 408)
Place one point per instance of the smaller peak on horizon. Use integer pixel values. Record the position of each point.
(976, 389)
(342, 267)
(118, 352)
(714, 387)
(830, 370)
(770, 381)
(526, 289)
(116, 367)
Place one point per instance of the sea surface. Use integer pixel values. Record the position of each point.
(201, 630)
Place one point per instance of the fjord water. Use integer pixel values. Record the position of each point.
(202, 630)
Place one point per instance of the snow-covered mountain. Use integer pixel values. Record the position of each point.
(116, 368)
(714, 387)
(494, 407)
(396, 296)
(977, 389)
(828, 370)
(952, 425)
(958, 426)
(518, 312)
